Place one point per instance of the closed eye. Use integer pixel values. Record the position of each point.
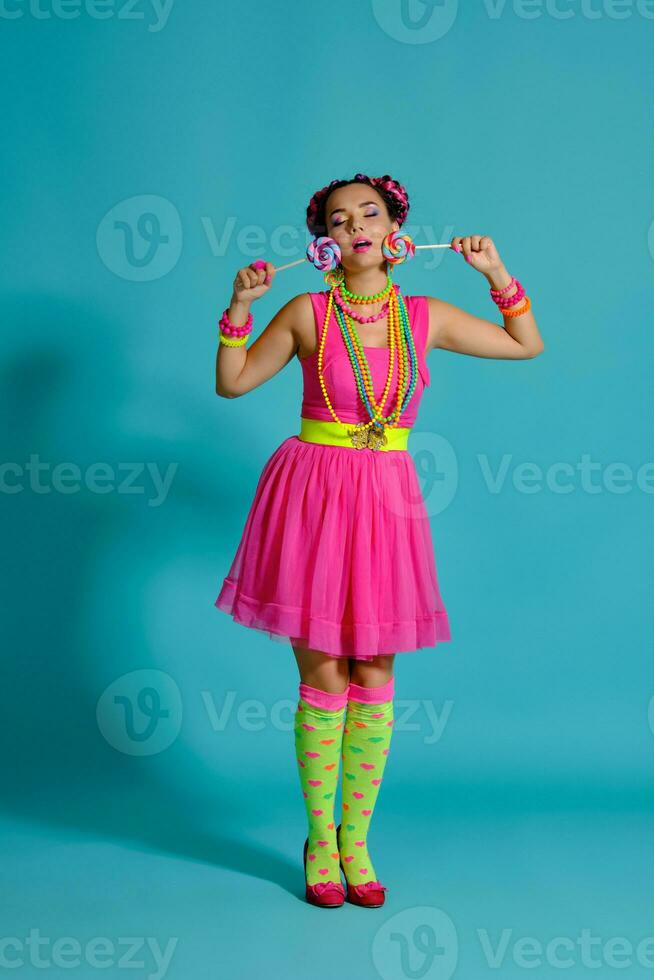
(373, 214)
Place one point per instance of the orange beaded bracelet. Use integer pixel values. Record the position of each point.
(524, 307)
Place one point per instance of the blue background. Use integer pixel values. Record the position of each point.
(531, 810)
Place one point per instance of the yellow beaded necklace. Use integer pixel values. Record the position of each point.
(372, 433)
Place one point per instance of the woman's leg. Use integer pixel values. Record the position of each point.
(366, 742)
(322, 671)
(318, 728)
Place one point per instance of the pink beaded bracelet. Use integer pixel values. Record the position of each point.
(230, 330)
(498, 292)
(511, 300)
(504, 301)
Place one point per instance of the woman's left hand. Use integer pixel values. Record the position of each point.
(479, 251)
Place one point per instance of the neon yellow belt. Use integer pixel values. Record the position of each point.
(341, 434)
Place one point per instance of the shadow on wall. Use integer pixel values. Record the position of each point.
(83, 567)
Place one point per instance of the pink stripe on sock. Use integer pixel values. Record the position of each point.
(372, 695)
(323, 699)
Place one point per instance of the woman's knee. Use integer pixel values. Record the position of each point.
(320, 670)
(372, 673)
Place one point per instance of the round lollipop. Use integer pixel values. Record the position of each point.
(398, 248)
(325, 253)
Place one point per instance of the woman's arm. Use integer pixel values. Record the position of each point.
(240, 369)
(451, 328)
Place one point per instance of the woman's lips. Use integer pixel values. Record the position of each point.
(364, 247)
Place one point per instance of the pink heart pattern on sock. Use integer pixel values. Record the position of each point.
(367, 738)
(318, 740)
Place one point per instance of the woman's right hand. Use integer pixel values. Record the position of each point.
(250, 283)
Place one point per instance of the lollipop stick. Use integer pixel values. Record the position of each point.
(289, 265)
(434, 246)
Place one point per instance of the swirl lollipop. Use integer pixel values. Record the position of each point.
(325, 253)
(398, 248)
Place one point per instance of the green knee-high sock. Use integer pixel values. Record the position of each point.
(366, 742)
(318, 726)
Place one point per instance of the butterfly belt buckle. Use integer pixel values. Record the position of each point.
(371, 438)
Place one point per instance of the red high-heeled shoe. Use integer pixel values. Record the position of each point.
(325, 894)
(369, 895)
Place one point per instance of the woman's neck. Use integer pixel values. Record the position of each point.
(367, 282)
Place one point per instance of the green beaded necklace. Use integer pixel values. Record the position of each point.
(372, 433)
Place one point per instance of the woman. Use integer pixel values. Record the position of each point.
(336, 555)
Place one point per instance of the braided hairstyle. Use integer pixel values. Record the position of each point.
(393, 193)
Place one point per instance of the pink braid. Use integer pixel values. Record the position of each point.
(394, 194)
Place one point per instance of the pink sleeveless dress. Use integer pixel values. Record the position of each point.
(337, 552)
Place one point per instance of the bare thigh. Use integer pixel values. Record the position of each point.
(333, 674)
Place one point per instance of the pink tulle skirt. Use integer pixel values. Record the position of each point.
(337, 554)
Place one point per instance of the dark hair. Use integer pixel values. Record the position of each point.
(392, 192)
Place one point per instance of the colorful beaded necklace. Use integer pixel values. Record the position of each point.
(372, 434)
